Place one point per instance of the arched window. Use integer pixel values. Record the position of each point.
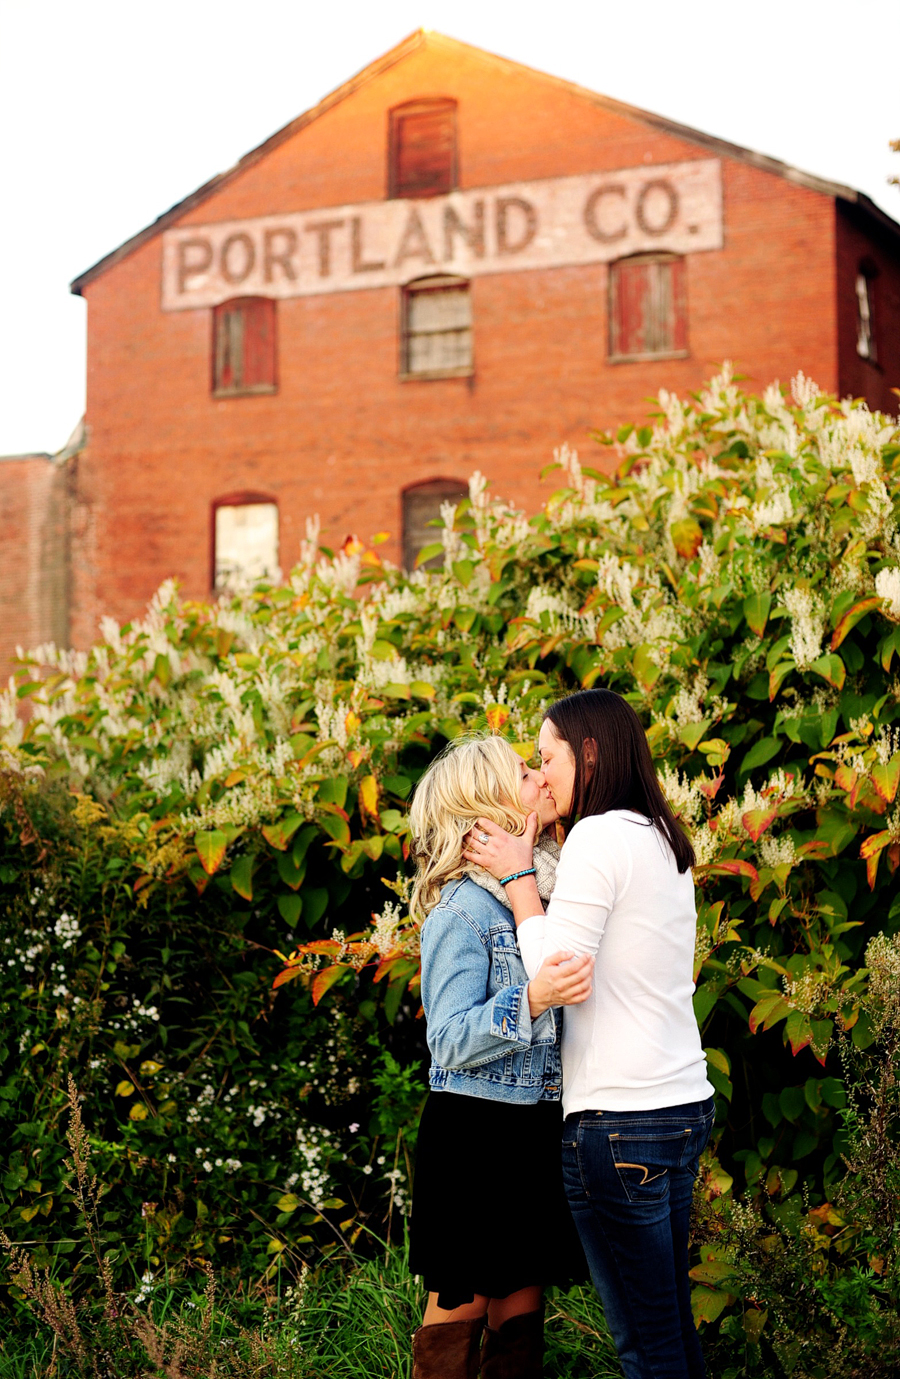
(245, 539)
(422, 148)
(865, 312)
(436, 336)
(647, 307)
(244, 347)
(421, 504)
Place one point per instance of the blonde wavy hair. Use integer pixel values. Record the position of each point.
(474, 777)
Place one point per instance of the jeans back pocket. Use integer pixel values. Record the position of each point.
(643, 1161)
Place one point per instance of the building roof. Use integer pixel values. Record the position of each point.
(422, 38)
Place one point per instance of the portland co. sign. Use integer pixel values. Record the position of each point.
(523, 225)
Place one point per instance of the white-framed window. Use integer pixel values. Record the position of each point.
(245, 536)
(865, 315)
(437, 328)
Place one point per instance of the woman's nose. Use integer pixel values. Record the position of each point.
(540, 779)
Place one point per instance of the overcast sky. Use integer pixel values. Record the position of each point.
(112, 111)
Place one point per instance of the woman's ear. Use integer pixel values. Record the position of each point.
(589, 754)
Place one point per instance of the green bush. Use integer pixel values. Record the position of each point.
(213, 799)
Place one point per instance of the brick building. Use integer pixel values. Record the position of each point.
(451, 263)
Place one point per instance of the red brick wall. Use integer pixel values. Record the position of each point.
(343, 435)
(33, 555)
(857, 245)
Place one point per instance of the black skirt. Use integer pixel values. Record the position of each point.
(489, 1214)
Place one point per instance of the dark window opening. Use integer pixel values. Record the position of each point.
(421, 505)
(244, 348)
(422, 149)
(437, 328)
(647, 307)
(865, 314)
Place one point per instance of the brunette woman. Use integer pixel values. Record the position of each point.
(490, 1226)
(637, 1103)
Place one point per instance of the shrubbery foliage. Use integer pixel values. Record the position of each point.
(214, 798)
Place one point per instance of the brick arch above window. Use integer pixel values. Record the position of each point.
(244, 347)
(244, 538)
(421, 504)
(648, 307)
(422, 152)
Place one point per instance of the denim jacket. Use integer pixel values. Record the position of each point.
(482, 1039)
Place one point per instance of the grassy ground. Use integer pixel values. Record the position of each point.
(347, 1322)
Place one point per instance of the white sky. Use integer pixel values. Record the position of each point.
(112, 111)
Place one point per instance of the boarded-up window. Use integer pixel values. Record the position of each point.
(437, 328)
(422, 149)
(865, 314)
(420, 506)
(647, 307)
(246, 543)
(244, 352)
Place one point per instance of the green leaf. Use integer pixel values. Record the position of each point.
(290, 874)
(759, 754)
(429, 552)
(647, 672)
(241, 876)
(210, 849)
(290, 907)
(756, 610)
(315, 903)
(280, 834)
(336, 828)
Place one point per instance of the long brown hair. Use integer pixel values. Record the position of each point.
(623, 776)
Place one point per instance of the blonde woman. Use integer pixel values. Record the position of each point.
(490, 1227)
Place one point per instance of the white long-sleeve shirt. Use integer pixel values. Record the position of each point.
(633, 1045)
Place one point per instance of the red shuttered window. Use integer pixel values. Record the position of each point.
(244, 346)
(647, 307)
(422, 149)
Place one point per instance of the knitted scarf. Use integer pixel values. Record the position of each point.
(546, 856)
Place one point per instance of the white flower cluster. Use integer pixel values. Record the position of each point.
(807, 613)
(67, 930)
(887, 587)
(314, 1178)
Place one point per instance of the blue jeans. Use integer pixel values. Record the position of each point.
(629, 1177)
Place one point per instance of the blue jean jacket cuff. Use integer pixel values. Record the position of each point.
(511, 1017)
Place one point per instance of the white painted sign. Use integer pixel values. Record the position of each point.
(547, 224)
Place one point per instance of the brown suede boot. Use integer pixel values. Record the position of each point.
(447, 1350)
(516, 1350)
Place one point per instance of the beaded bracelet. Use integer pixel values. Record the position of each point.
(529, 871)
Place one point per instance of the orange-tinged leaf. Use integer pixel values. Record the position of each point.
(769, 1009)
(874, 843)
(886, 778)
(845, 778)
(687, 537)
(210, 849)
(352, 722)
(325, 979)
(368, 795)
(798, 1030)
(831, 668)
(356, 758)
(756, 821)
(851, 618)
(289, 974)
(497, 715)
(734, 867)
(234, 778)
